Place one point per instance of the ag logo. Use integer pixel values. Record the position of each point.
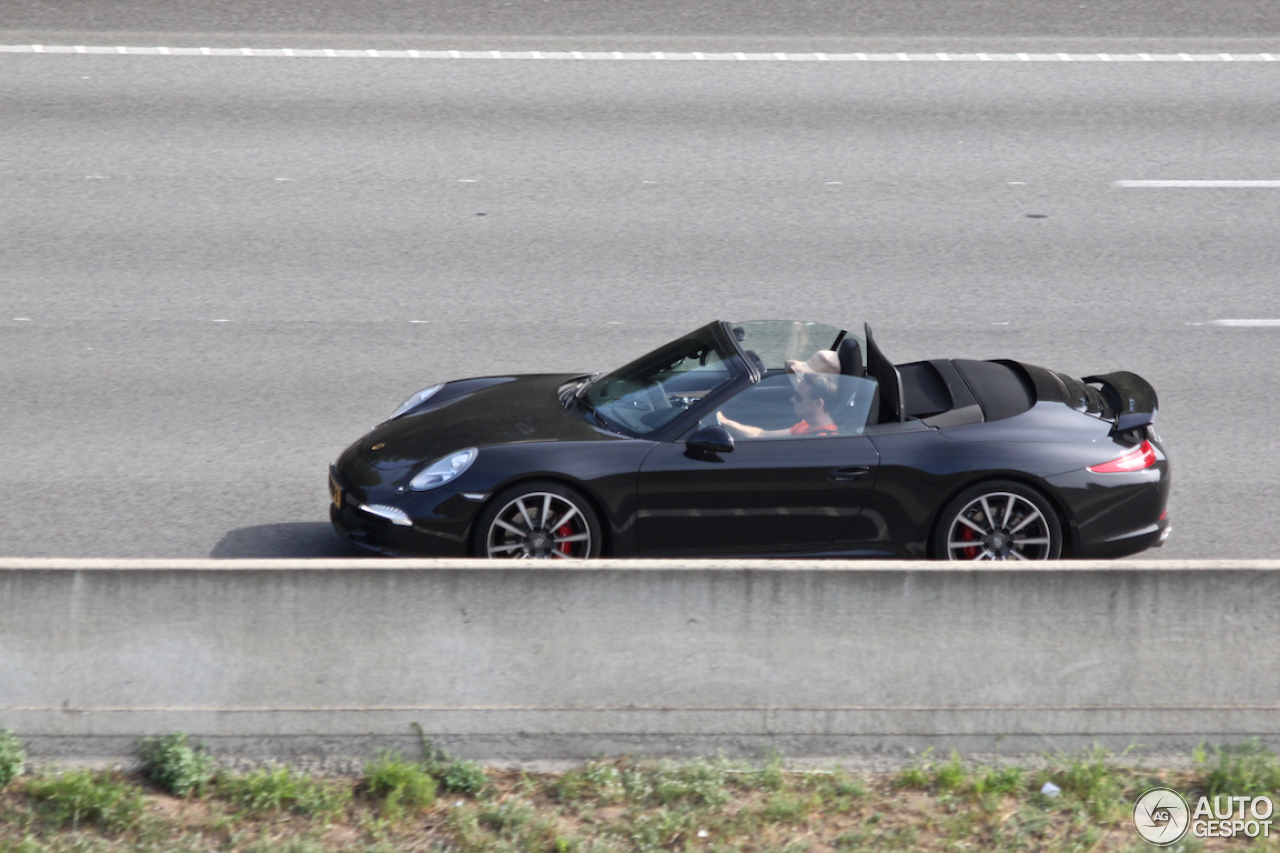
(1161, 816)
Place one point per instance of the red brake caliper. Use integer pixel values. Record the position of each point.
(967, 534)
(565, 547)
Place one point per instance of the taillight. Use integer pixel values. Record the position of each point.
(1142, 457)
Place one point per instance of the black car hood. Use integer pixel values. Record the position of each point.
(502, 410)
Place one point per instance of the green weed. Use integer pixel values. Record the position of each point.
(786, 807)
(918, 776)
(462, 777)
(13, 758)
(834, 791)
(855, 840)
(511, 825)
(1090, 779)
(664, 782)
(79, 798)
(267, 790)
(177, 766)
(598, 781)
(770, 776)
(999, 780)
(1247, 769)
(659, 830)
(507, 818)
(452, 774)
(950, 776)
(402, 786)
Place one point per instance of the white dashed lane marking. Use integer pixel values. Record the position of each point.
(613, 55)
(1246, 323)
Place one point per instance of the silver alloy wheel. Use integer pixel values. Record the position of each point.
(539, 526)
(999, 526)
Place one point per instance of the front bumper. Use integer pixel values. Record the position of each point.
(440, 521)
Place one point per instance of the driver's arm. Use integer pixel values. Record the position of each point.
(740, 430)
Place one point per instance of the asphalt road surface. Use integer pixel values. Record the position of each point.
(218, 271)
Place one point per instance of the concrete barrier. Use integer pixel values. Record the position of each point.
(322, 661)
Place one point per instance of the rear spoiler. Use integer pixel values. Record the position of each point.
(1132, 397)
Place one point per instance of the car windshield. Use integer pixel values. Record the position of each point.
(772, 343)
(652, 390)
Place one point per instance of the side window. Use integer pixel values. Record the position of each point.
(786, 405)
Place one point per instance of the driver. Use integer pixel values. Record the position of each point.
(815, 396)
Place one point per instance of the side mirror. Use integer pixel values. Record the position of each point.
(710, 440)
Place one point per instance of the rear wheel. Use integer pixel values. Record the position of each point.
(539, 521)
(999, 520)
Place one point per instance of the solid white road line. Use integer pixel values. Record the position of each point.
(577, 55)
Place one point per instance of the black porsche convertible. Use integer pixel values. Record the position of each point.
(764, 438)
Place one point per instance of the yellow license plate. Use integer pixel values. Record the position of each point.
(335, 492)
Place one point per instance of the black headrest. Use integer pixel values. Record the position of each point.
(851, 358)
(889, 381)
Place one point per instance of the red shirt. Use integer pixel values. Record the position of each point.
(803, 428)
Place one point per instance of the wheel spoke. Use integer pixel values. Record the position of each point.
(560, 555)
(510, 528)
(578, 537)
(1016, 555)
(524, 511)
(1008, 512)
(494, 549)
(1039, 541)
(986, 509)
(573, 510)
(967, 523)
(1035, 513)
(544, 519)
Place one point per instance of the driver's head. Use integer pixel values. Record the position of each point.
(815, 392)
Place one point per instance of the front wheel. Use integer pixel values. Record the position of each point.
(538, 521)
(999, 520)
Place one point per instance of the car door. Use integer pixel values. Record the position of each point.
(772, 495)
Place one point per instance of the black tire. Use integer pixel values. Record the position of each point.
(1004, 520)
(514, 524)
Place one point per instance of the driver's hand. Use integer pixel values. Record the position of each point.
(721, 419)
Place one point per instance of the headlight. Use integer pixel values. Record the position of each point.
(421, 397)
(443, 470)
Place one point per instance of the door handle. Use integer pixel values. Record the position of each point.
(848, 475)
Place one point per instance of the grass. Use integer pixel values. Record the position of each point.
(280, 789)
(13, 757)
(86, 798)
(626, 806)
(1246, 769)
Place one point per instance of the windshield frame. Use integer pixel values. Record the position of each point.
(740, 373)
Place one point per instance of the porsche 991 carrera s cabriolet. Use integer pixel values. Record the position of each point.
(764, 439)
